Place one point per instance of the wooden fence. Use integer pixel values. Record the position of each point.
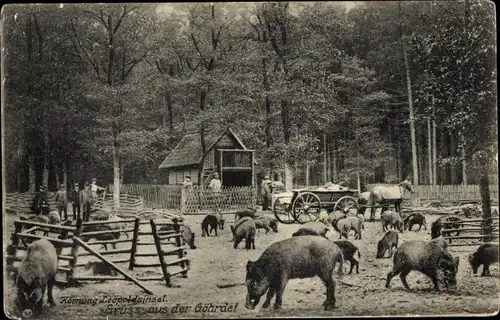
(19, 203)
(197, 200)
(446, 194)
(471, 232)
(154, 195)
(70, 236)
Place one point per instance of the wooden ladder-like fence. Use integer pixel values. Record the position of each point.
(70, 237)
(473, 229)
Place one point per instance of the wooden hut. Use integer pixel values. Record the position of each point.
(226, 154)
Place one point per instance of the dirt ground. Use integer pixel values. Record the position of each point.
(216, 262)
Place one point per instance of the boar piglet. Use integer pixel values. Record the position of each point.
(388, 242)
(485, 255)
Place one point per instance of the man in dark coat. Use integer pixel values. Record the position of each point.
(40, 204)
(86, 201)
(62, 202)
(74, 198)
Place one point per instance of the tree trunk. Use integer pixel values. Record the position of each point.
(325, 165)
(442, 147)
(170, 112)
(334, 165)
(203, 96)
(464, 163)
(398, 162)
(65, 172)
(453, 154)
(420, 155)
(116, 168)
(307, 173)
(429, 151)
(46, 159)
(434, 163)
(31, 172)
(410, 104)
(122, 169)
(484, 188)
(286, 133)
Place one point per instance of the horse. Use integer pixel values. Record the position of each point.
(386, 196)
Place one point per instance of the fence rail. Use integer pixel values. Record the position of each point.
(446, 193)
(195, 200)
(154, 195)
(230, 199)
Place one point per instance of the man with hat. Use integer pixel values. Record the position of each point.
(86, 201)
(265, 191)
(74, 198)
(40, 204)
(62, 202)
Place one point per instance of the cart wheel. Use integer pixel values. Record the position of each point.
(346, 204)
(306, 207)
(282, 212)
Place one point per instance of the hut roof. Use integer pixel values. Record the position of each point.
(189, 152)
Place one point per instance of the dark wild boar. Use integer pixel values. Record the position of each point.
(387, 243)
(392, 219)
(427, 258)
(292, 258)
(414, 219)
(187, 234)
(350, 252)
(209, 221)
(248, 212)
(449, 222)
(485, 255)
(111, 235)
(305, 232)
(318, 227)
(35, 274)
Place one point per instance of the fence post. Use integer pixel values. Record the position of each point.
(183, 200)
(74, 253)
(179, 242)
(135, 237)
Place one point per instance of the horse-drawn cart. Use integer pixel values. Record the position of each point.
(303, 205)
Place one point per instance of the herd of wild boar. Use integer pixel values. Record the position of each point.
(306, 254)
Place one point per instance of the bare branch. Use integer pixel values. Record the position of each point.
(97, 17)
(134, 62)
(76, 41)
(124, 14)
(195, 43)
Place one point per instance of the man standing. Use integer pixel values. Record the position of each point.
(216, 187)
(62, 202)
(95, 189)
(40, 204)
(265, 190)
(74, 197)
(86, 201)
(187, 183)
